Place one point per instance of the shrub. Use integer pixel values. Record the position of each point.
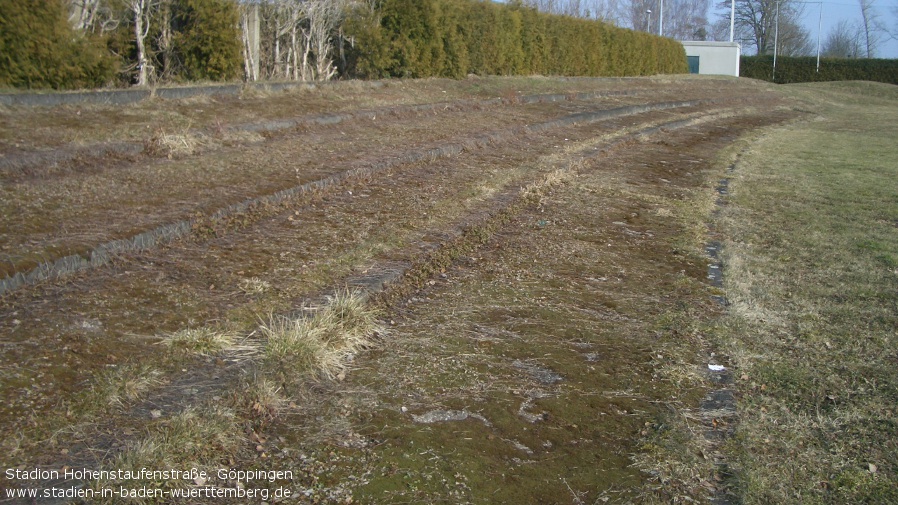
(207, 39)
(39, 49)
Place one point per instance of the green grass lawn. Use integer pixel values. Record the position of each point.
(811, 269)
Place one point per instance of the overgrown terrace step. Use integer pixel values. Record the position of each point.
(41, 164)
(389, 276)
(70, 216)
(102, 254)
(162, 290)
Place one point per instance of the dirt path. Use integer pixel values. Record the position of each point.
(525, 357)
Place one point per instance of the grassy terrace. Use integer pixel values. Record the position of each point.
(811, 260)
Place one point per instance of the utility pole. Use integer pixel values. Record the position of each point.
(776, 34)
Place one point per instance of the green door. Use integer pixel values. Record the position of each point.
(693, 64)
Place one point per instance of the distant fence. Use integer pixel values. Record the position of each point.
(804, 69)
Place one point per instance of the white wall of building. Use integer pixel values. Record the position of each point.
(715, 58)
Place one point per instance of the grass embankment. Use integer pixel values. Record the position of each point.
(811, 266)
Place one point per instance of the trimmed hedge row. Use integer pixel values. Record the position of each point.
(804, 69)
(452, 38)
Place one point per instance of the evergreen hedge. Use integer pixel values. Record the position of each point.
(39, 49)
(804, 69)
(207, 39)
(200, 40)
(452, 38)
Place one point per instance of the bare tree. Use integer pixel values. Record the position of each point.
(843, 41)
(548, 6)
(683, 19)
(608, 11)
(643, 15)
(82, 14)
(141, 11)
(324, 16)
(300, 37)
(759, 22)
(871, 24)
(285, 18)
(686, 19)
(249, 31)
(571, 7)
(95, 16)
(164, 41)
(893, 32)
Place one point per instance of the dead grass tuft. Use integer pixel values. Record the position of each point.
(116, 387)
(264, 399)
(254, 286)
(202, 341)
(292, 347)
(320, 344)
(172, 145)
(535, 192)
(199, 437)
(347, 322)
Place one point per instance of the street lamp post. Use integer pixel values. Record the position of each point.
(648, 20)
(819, 27)
(661, 18)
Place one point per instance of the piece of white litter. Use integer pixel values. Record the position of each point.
(716, 368)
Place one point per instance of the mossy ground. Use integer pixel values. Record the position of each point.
(551, 334)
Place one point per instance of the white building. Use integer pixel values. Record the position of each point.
(713, 58)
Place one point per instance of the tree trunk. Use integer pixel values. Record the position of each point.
(138, 7)
(277, 55)
(250, 33)
(294, 50)
(165, 41)
(867, 16)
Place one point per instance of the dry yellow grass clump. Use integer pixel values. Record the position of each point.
(320, 344)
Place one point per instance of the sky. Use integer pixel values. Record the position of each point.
(837, 10)
(834, 10)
